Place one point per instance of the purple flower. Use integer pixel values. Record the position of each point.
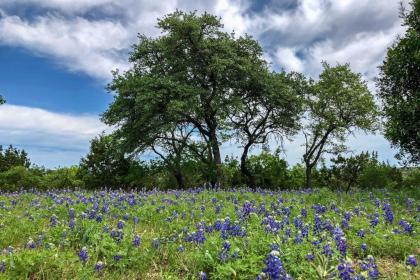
(389, 216)
(99, 266)
(120, 224)
(274, 267)
(364, 247)
(310, 257)
(345, 271)
(137, 240)
(2, 266)
(411, 260)
(83, 254)
(202, 275)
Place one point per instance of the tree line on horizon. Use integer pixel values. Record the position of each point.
(196, 86)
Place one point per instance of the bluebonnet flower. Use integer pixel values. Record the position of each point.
(136, 240)
(361, 233)
(53, 220)
(310, 257)
(364, 247)
(117, 257)
(202, 275)
(72, 224)
(408, 228)
(99, 266)
(374, 222)
(317, 224)
(83, 254)
(304, 213)
(342, 246)
(327, 251)
(389, 216)
(345, 271)
(120, 224)
(31, 244)
(136, 220)
(274, 267)
(411, 260)
(181, 248)
(2, 266)
(71, 213)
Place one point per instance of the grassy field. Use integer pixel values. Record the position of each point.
(209, 234)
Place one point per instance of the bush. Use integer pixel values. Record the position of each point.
(18, 177)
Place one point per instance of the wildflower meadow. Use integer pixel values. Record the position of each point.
(209, 234)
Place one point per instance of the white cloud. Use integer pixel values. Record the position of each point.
(288, 59)
(45, 134)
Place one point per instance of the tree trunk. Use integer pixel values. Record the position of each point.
(217, 161)
(179, 178)
(244, 167)
(308, 176)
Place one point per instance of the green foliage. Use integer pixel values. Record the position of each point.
(411, 178)
(18, 177)
(380, 175)
(399, 88)
(270, 171)
(65, 177)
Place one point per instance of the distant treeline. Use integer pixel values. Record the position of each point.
(359, 171)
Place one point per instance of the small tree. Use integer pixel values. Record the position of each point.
(337, 105)
(106, 164)
(348, 170)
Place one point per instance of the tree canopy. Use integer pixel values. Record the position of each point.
(336, 106)
(399, 88)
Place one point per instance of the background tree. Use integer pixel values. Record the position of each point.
(106, 164)
(337, 105)
(399, 88)
(13, 157)
(186, 76)
(269, 107)
(348, 170)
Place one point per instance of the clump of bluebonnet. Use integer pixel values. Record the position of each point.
(310, 257)
(120, 224)
(224, 253)
(411, 261)
(31, 244)
(99, 266)
(274, 268)
(389, 216)
(408, 228)
(327, 251)
(53, 220)
(363, 247)
(345, 271)
(137, 240)
(202, 275)
(83, 254)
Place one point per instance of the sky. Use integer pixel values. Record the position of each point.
(56, 58)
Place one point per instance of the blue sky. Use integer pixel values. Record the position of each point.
(56, 57)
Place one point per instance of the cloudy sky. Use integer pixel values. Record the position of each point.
(56, 57)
